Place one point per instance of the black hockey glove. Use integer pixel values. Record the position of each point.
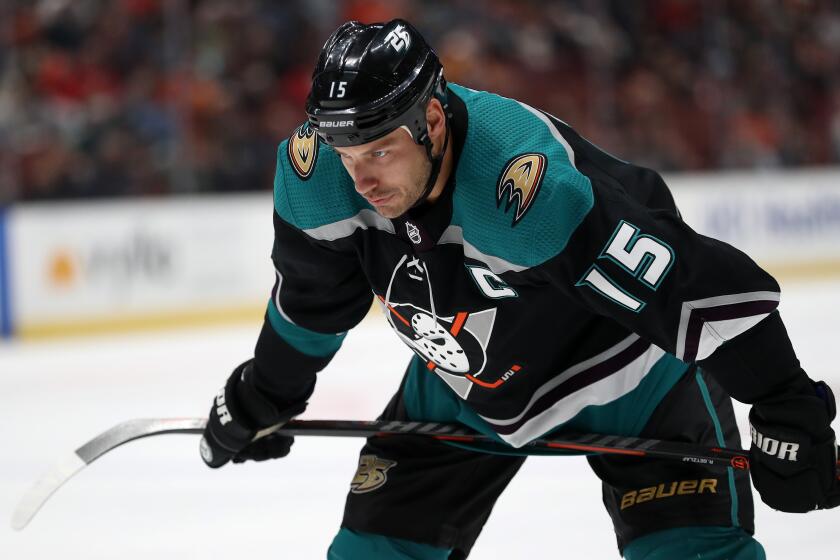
(238, 412)
(794, 452)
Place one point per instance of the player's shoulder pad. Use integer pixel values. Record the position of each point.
(519, 196)
(311, 187)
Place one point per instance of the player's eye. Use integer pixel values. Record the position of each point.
(379, 153)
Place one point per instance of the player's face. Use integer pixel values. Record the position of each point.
(390, 172)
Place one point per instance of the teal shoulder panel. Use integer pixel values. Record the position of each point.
(529, 217)
(303, 340)
(311, 187)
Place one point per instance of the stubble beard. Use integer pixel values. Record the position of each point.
(408, 197)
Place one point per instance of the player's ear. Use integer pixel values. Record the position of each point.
(436, 122)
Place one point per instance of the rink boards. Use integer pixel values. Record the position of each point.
(92, 267)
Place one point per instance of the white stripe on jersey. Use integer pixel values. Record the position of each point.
(603, 391)
(455, 234)
(713, 333)
(365, 219)
(553, 129)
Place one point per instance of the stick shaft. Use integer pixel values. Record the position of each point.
(586, 443)
(453, 433)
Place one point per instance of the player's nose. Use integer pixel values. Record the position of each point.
(364, 180)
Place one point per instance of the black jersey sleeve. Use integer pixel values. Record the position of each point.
(634, 260)
(319, 294)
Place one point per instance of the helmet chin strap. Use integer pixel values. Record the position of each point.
(436, 161)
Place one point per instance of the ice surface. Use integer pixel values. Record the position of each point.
(154, 498)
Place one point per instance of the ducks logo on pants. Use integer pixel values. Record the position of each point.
(371, 474)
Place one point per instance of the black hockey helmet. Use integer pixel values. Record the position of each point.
(371, 80)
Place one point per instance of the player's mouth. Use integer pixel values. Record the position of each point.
(381, 200)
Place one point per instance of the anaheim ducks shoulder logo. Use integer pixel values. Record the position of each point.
(521, 180)
(303, 151)
(371, 474)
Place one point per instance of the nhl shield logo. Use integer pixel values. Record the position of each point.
(521, 180)
(303, 151)
(371, 474)
(413, 233)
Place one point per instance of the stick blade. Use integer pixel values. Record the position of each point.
(64, 470)
(43, 488)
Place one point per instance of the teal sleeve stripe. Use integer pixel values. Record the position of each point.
(353, 545)
(704, 390)
(303, 340)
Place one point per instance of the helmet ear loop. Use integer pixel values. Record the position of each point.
(436, 161)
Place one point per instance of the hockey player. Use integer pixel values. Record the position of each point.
(544, 286)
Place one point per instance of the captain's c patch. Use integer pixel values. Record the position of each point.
(520, 180)
(371, 474)
(303, 151)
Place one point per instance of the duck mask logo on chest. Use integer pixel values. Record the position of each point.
(453, 347)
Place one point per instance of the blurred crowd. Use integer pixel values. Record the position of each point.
(143, 97)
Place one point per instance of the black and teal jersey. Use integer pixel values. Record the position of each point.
(550, 285)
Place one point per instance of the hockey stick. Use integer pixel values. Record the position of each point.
(128, 431)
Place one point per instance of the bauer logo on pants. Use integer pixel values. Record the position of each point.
(669, 490)
(372, 474)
